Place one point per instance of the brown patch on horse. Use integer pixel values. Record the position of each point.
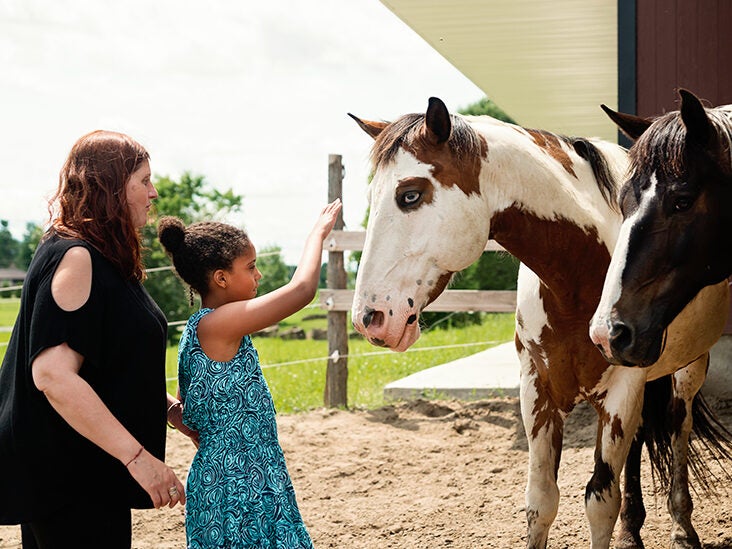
(455, 163)
(614, 422)
(557, 250)
(451, 169)
(439, 287)
(420, 184)
(552, 145)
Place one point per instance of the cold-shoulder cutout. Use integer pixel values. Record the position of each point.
(71, 284)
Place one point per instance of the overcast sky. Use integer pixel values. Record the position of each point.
(253, 95)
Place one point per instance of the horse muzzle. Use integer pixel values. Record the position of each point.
(385, 329)
(623, 344)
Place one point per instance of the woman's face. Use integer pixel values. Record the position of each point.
(140, 194)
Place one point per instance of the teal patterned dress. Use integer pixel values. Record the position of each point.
(239, 493)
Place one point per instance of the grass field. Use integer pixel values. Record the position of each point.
(295, 369)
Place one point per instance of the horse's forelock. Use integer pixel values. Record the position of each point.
(407, 131)
(662, 147)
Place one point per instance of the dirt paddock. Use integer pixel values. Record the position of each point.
(431, 474)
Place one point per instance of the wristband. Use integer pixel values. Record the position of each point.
(137, 455)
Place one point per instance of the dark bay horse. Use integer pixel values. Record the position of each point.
(677, 234)
(442, 185)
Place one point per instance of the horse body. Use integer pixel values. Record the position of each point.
(442, 185)
(675, 238)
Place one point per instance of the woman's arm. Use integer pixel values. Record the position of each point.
(55, 372)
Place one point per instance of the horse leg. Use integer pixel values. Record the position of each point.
(632, 510)
(619, 414)
(686, 384)
(545, 447)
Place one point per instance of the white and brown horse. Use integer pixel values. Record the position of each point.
(443, 184)
(677, 234)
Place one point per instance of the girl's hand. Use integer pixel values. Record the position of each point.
(175, 418)
(328, 218)
(157, 479)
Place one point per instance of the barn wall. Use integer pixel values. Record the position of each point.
(682, 43)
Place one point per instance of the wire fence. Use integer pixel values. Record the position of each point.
(335, 356)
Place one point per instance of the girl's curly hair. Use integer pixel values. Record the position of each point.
(201, 248)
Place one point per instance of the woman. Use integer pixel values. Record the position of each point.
(82, 386)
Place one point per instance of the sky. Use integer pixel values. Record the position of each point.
(252, 95)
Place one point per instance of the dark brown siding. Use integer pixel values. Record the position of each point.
(682, 44)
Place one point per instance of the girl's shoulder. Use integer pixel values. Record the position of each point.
(196, 317)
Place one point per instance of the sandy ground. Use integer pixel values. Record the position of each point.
(429, 474)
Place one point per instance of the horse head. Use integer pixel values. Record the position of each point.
(676, 207)
(424, 192)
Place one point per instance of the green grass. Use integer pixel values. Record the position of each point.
(295, 369)
(8, 313)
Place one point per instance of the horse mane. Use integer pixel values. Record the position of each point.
(662, 147)
(600, 169)
(407, 130)
(464, 142)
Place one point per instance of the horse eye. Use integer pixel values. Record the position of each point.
(682, 203)
(409, 199)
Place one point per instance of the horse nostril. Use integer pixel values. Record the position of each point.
(621, 336)
(372, 316)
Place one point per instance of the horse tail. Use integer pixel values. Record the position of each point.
(709, 440)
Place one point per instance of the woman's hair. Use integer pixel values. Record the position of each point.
(201, 248)
(91, 200)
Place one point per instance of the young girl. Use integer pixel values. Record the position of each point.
(239, 491)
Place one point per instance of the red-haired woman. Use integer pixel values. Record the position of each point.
(82, 385)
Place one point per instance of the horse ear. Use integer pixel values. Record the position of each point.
(437, 121)
(370, 127)
(630, 125)
(698, 127)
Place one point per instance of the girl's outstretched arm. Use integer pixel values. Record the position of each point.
(221, 331)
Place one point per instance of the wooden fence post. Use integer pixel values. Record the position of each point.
(336, 376)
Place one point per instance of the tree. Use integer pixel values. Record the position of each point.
(27, 246)
(275, 272)
(486, 106)
(8, 246)
(191, 199)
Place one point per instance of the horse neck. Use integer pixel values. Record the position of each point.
(549, 211)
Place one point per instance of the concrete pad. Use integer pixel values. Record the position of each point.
(496, 372)
(493, 372)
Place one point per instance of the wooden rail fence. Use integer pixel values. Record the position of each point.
(337, 299)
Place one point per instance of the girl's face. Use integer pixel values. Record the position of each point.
(244, 276)
(140, 194)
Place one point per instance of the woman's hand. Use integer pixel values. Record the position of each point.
(157, 479)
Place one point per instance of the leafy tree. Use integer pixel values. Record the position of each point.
(486, 106)
(27, 246)
(8, 246)
(191, 199)
(275, 272)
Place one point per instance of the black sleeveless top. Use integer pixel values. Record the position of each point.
(44, 464)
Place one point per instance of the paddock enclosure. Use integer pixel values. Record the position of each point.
(428, 475)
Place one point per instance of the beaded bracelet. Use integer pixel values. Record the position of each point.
(137, 455)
